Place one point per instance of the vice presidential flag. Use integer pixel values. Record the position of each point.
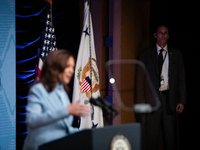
(86, 77)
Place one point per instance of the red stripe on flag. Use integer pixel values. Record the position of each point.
(38, 73)
(85, 87)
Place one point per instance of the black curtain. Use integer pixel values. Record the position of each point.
(30, 22)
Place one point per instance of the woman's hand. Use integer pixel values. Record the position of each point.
(77, 109)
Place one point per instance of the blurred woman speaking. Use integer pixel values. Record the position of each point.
(49, 111)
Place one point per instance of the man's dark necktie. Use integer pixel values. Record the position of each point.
(160, 61)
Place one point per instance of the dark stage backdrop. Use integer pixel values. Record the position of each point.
(30, 22)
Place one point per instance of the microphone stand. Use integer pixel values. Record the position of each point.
(108, 109)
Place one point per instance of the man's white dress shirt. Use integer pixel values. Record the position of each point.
(165, 68)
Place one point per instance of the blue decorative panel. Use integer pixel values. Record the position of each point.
(7, 75)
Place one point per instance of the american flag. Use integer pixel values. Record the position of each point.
(48, 40)
(86, 85)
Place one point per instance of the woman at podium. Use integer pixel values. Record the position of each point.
(49, 111)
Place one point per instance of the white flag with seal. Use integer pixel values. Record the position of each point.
(86, 77)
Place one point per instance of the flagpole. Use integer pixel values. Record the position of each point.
(92, 115)
(89, 1)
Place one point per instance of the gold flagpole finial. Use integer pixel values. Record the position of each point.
(49, 1)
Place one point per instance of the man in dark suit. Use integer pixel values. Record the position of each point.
(166, 69)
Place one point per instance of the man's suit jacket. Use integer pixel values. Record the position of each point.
(47, 116)
(177, 85)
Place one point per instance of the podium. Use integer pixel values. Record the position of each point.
(98, 139)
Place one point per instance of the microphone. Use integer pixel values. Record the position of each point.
(104, 104)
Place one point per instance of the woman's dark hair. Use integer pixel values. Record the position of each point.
(54, 63)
